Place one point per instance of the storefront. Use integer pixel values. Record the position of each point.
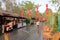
(8, 24)
(10, 21)
(21, 22)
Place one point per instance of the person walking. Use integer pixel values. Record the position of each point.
(37, 25)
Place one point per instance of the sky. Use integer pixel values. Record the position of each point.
(43, 3)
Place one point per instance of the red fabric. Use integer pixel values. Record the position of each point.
(47, 9)
(43, 18)
(29, 12)
(46, 5)
(37, 15)
(22, 13)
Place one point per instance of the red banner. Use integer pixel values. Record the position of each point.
(37, 11)
(22, 12)
(47, 9)
(29, 12)
(37, 15)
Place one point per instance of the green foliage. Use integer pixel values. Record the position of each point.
(59, 22)
(28, 5)
(59, 9)
(27, 21)
(55, 28)
(56, 2)
(52, 19)
(16, 9)
(12, 6)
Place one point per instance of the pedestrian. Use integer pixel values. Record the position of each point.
(37, 24)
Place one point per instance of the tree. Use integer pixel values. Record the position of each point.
(58, 16)
(16, 9)
(52, 19)
(59, 22)
(55, 3)
(55, 27)
(9, 5)
(48, 16)
(28, 5)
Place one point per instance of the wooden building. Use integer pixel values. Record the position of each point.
(6, 17)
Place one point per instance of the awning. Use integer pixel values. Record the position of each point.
(8, 14)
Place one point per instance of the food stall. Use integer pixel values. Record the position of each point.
(24, 22)
(10, 21)
(21, 22)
